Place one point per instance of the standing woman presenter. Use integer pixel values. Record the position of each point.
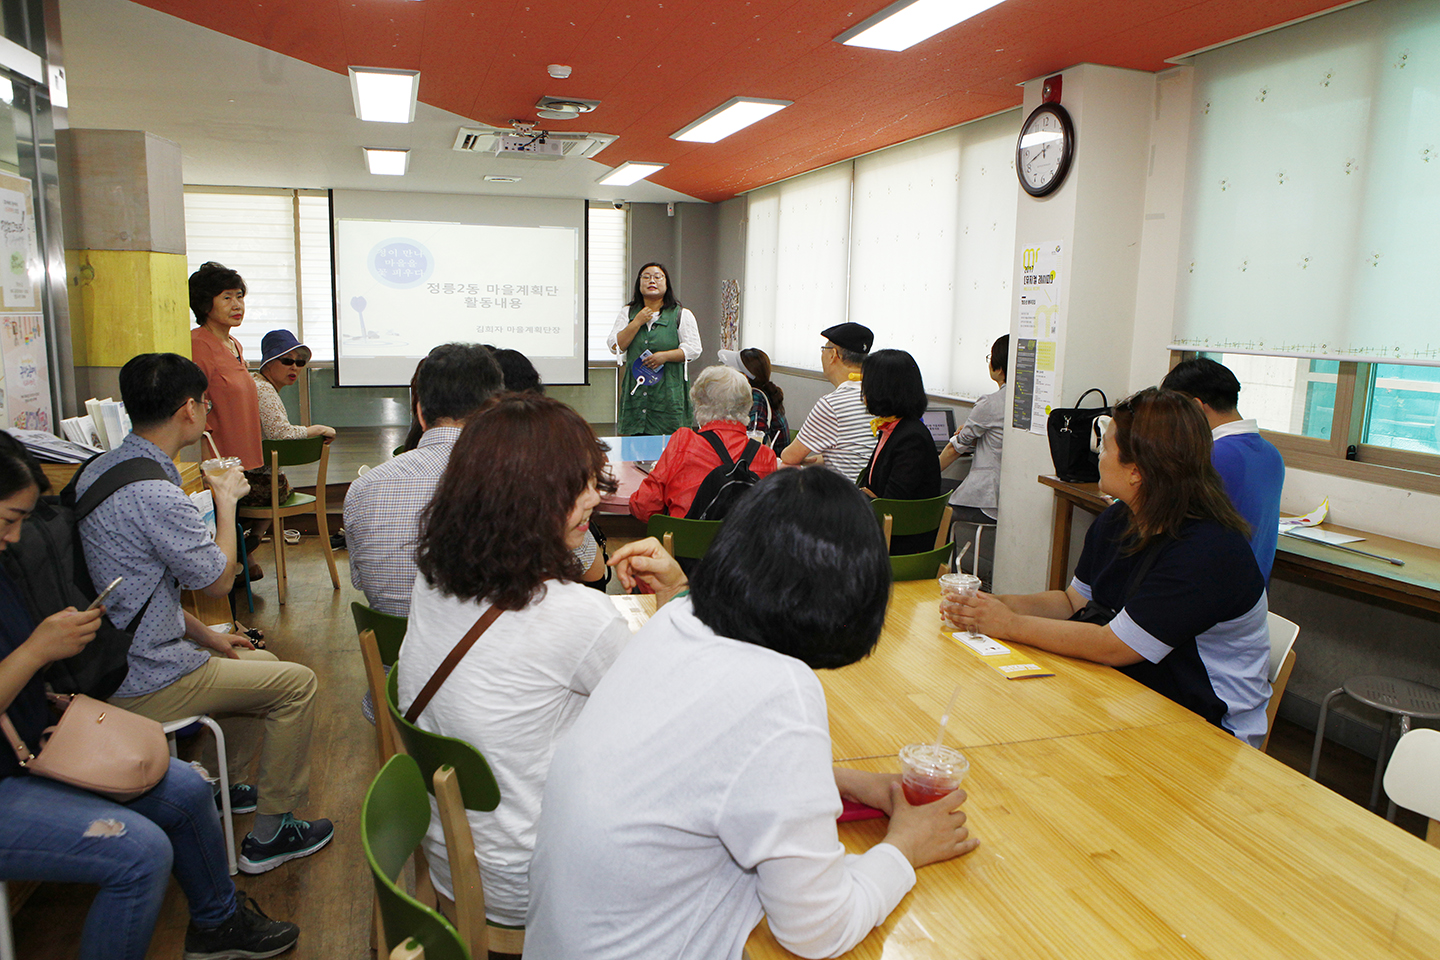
(655, 390)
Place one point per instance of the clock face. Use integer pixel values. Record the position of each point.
(1047, 144)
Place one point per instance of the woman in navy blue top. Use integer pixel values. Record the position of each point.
(1171, 566)
(50, 831)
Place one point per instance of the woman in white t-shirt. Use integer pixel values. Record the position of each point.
(501, 530)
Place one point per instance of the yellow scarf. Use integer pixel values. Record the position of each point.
(877, 422)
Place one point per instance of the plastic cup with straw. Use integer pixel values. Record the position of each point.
(930, 771)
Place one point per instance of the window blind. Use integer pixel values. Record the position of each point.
(1314, 190)
(609, 282)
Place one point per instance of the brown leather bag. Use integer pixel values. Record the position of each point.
(97, 747)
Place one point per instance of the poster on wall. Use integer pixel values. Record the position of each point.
(27, 381)
(25, 390)
(1040, 290)
(1042, 400)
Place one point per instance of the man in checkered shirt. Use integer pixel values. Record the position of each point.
(382, 508)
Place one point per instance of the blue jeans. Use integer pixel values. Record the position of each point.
(53, 832)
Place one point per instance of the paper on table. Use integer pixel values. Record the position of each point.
(1322, 536)
(1010, 665)
(1313, 518)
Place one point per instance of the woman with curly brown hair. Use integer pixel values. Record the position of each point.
(499, 533)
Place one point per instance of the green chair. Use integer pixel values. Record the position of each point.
(290, 453)
(921, 566)
(682, 538)
(903, 518)
(389, 631)
(462, 781)
(393, 821)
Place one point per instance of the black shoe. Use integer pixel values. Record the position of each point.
(337, 541)
(296, 838)
(242, 798)
(247, 935)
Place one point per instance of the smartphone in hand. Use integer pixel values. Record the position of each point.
(104, 593)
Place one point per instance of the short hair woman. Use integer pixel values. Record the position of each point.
(696, 792)
(721, 398)
(904, 465)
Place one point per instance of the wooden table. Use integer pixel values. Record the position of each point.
(623, 454)
(902, 690)
(1416, 584)
(1172, 841)
(1115, 824)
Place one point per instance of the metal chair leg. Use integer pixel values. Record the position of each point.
(1320, 733)
(1404, 729)
(7, 940)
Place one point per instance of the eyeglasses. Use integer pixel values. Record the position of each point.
(652, 276)
(205, 400)
(291, 362)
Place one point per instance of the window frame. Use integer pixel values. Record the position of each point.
(1343, 455)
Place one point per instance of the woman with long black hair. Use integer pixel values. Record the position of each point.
(657, 338)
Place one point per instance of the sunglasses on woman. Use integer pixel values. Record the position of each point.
(290, 361)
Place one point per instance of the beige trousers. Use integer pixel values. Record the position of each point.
(278, 694)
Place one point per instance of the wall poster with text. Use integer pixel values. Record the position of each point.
(24, 360)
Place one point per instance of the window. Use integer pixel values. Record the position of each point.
(1377, 421)
(916, 241)
(288, 283)
(608, 286)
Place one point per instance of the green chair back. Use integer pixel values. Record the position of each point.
(389, 629)
(432, 750)
(919, 566)
(393, 821)
(691, 537)
(294, 452)
(912, 516)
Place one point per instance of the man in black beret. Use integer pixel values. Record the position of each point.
(837, 430)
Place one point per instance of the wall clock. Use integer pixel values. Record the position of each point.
(1045, 149)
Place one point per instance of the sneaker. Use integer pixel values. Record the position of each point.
(296, 838)
(247, 935)
(242, 798)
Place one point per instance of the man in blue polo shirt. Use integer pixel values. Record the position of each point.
(151, 533)
(1251, 467)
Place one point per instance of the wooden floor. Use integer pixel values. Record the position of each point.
(329, 894)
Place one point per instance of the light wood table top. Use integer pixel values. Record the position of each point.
(1168, 841)
(897, 695)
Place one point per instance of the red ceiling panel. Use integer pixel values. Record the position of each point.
(657, 66)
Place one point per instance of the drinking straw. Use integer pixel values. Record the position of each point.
(961, 555)
(944, 717)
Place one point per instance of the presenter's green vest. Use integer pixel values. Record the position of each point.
(661, 409)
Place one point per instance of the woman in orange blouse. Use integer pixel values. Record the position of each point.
(217, 298)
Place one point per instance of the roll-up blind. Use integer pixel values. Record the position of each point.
(1314, 190)
(609, 284)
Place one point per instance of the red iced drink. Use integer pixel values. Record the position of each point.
(930, 772)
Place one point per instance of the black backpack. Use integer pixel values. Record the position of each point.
(48, 565)
(726, 484)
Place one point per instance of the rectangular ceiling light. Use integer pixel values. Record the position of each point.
(904, 24)
(735, 114)
(387, 96)
(386, 162)
(629, 172)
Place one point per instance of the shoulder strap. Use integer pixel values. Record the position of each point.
(22, 752)
(751, 448)
(448, 664)
(122, 474)
(719, 446)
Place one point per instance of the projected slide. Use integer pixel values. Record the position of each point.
(405, 286)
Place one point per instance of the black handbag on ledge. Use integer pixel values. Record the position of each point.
(1070, 430)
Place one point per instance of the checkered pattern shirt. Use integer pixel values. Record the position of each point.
(382, 520)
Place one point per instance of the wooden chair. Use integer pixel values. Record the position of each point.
(1412, 778)
(380, 637)
(290, 453)
(903, 518)
(682, 538)
(462, 781)
(393, 821)
(1282, 660)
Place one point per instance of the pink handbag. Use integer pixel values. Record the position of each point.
(97, 747)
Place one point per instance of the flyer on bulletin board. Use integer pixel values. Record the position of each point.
(27, 381)
(1040, 288)
(24, 362)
